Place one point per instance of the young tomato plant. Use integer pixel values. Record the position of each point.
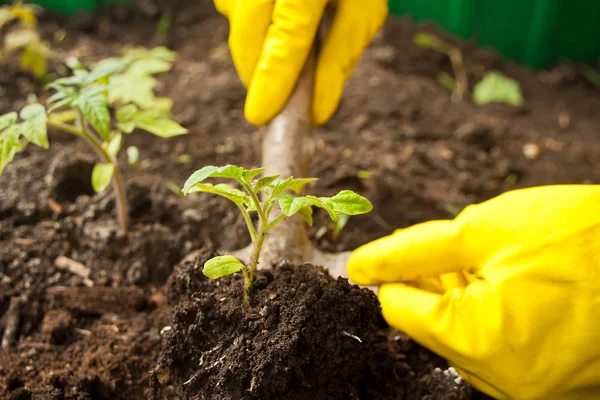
(82, 104)
(458, 85)
(18, 24)
(274, 191)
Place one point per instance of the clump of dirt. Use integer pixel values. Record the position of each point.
(307, 335)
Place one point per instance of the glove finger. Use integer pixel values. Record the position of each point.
(429, 249)
(460, 325)
(223, 7)
(289, 39)
(353, 27)
(249, 24)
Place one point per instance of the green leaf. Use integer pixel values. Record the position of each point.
(126, 113)
(426, 40)
(349, 202)
(128, 88)
(65, 97)
(321, 203)
(220, 266)
(495, 87)
(221, 189)
(133, 155)
(447, 81)
(339, 225)
(106, 68)
(101, 176)
(114, 145)
(35, 127)
(250, 174)
(264, 182)
(9, 145)
(95, 110)
(149, 67)
(7, 120)
(294, 184)
(211, 171)
(126, 127)
(165, 128)
(290, 205)
(306, 214)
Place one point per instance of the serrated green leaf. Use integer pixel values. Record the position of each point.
(126, 113)
(212, 171)
(290, 205)
(319, 202)
(129, 88)
(101, 176)
(133, 155)
(9, 145)
(165, 128)
(348, 202)
(297, 184)
(7, 120)
(106, 68)
(264, 182)
(74, 64)
(95, 111)
(294, 184)
(250, 174)
(221, 189)
(306, 214)
(149, 67)
(495, 87)
(114, 145)
(221, 266)
(126, 127)
(34, 127)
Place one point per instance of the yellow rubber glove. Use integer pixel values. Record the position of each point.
(508, 291)
(270, 41)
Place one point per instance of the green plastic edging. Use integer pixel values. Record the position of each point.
(535, 33)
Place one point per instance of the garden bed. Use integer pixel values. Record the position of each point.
(398, 139)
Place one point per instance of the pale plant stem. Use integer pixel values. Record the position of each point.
(106, 157)
(249, 224)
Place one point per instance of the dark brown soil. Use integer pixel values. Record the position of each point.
(398, 138)
(307, 336)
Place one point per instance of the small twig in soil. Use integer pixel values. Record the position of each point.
(13, 320)
(74, 267)
(351, 336)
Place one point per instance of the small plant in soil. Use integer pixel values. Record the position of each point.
(18, 27)
(82, 105)
(274, 191)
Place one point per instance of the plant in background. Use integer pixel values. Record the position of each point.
(459, 85)
(275, 191)
(82, 104)
(18, 24)
(495, 87)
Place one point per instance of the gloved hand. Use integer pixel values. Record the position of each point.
(270, 41)
(508, 291)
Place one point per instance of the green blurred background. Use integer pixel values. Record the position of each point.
(534, 33)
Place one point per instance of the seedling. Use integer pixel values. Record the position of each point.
(283, 193)
(81, 107)
(18, 23)
(458, 85)
(495, 87)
